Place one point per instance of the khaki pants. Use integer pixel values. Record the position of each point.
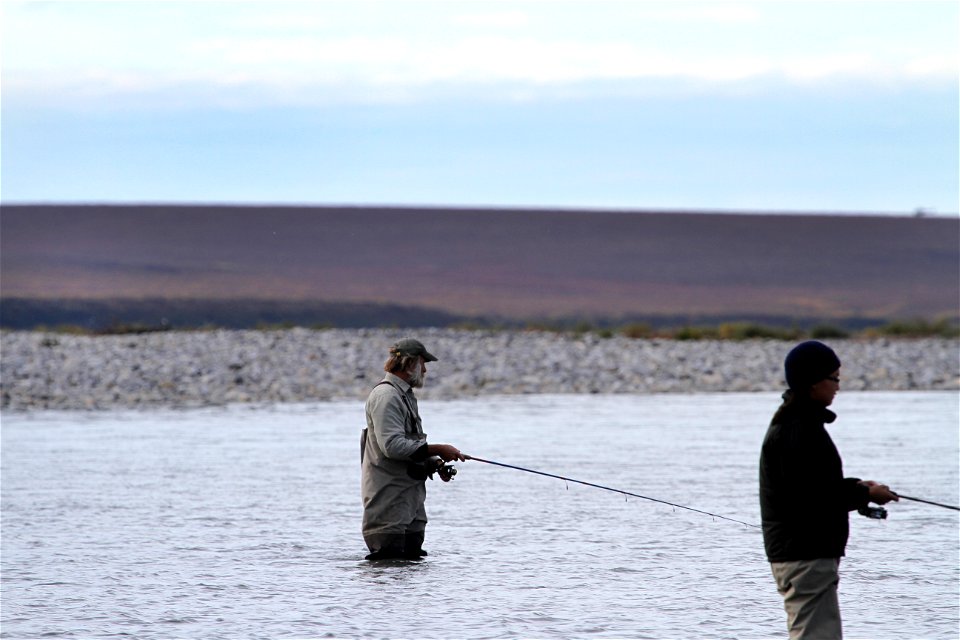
(809, 590)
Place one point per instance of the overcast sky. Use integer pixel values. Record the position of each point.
(805, 106)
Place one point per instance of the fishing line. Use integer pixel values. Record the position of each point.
(936, 504)
(621, 491)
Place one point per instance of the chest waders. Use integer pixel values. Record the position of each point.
(407, 545)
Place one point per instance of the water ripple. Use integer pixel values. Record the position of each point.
(222, 523)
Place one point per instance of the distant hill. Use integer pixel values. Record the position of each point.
(512, 264)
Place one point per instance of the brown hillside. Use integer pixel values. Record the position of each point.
(518, 263)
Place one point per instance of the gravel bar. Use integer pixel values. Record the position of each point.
(208, 368)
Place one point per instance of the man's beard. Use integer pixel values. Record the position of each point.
(416, 377)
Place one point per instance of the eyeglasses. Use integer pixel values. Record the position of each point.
(833, 378)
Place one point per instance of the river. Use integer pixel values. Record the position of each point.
(243, 522)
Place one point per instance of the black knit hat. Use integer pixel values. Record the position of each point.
(808, 363)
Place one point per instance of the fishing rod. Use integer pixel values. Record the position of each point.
(936, 504)
(600, 486)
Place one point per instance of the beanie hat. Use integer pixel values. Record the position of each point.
(808, 363)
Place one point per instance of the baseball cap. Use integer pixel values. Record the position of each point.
(411, 347)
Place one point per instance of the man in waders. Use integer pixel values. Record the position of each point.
(805, 498)
(396, 459)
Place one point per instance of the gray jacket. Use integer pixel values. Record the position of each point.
(392, 453)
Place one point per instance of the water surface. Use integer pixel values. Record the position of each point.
(244, 522)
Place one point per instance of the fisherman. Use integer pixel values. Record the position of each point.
(804, 498)
(396, 459)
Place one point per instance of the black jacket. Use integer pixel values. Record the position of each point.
(804, 498)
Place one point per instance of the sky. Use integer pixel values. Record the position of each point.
(746, 106)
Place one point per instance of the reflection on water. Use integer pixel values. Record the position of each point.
(244, 522)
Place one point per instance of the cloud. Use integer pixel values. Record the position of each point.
(263, 72)
(495, 58)
(492, 59)
(495, 20)
(318, 52)
(720, 13)
(932, 66)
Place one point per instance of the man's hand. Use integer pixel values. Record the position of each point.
(880, 493)
(447, 452)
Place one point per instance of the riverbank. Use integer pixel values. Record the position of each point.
(207, 368)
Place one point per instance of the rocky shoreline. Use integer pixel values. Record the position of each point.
(43, 371)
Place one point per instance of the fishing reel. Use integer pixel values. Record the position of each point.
(446, 472)
(877, 513)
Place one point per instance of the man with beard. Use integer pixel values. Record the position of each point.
(396, 459)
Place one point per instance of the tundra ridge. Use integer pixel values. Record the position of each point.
(514, 264)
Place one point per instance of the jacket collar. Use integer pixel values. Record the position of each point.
(808, 409)
(398, 382)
